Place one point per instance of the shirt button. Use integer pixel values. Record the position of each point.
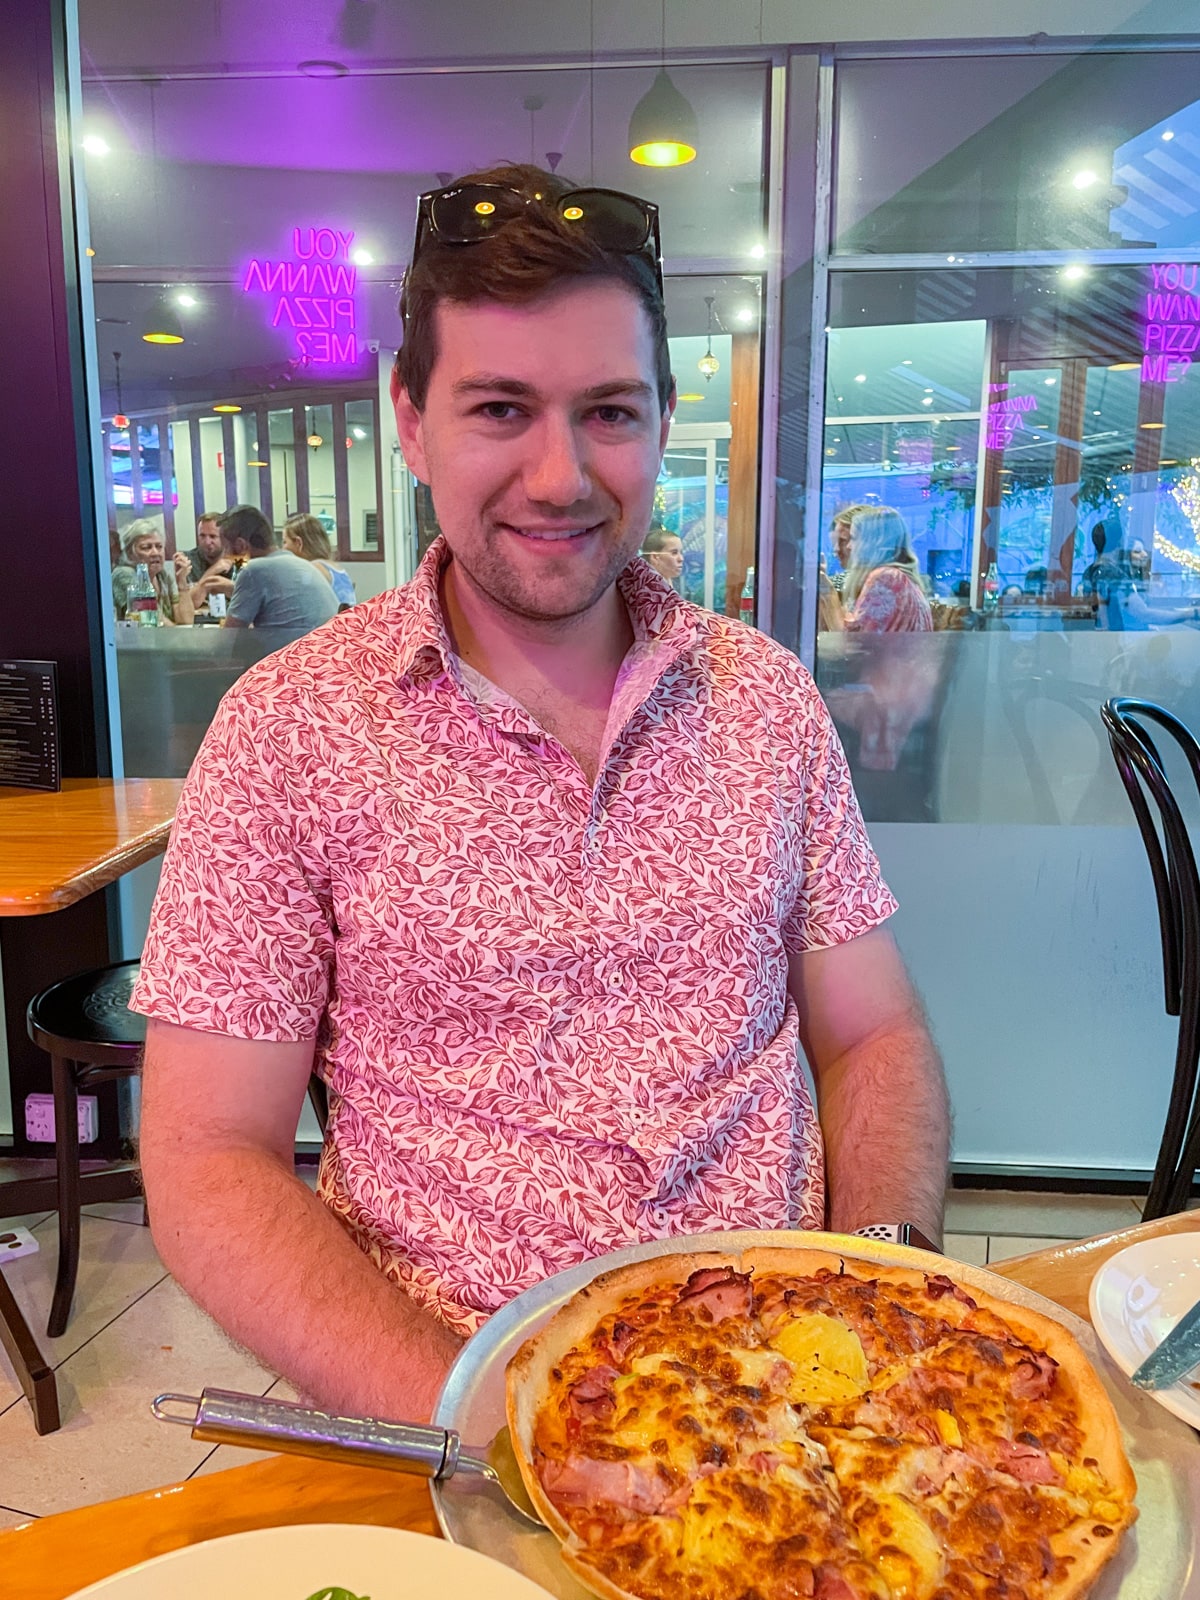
(616, 980)
(658, 1214)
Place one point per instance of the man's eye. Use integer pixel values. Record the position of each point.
(498, 410)
(614, 414)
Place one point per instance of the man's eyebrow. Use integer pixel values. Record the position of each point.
(489, 383)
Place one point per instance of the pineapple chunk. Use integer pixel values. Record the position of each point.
(947, 1427)
(827, 1358)
(904, 1547)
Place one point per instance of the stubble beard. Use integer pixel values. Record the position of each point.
(515, 594)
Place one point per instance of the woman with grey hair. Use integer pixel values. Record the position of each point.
(882, 592)
(142, 543)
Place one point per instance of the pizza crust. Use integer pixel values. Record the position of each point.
(530, 1378)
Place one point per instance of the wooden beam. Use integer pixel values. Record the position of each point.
(742, 521)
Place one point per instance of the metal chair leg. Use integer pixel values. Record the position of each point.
(66, 1154)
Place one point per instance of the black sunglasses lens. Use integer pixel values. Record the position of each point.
(474, 211)
(610, 219)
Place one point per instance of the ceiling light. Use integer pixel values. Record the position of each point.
(163, 326)
(89, 251)
(226, 406)
(860, 377)
(1168, 136)
(663, 131)
(954, 447)
(1074, 272)
(1168, 463)
(359, 433)
(1049, 381)
(690, 397)
(318, 68)
(949, 258)
(1085, 179)
(1125, 366)
(1095, 413)
(831, 452)
(745, 315)
(927, 401)
(95, 145)
(1151, 424)
(758, 251)
(258, 463)
(315, 441)
(362, 258)
(185, 300)
(708, 365)
(928, 389)
(906, 363)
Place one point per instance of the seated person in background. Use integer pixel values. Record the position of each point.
(142, 542)
(305, 537)
(207, 552)
(274, 589)
(664, 551)
(882, 592)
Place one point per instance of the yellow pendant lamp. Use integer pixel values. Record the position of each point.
(662, 130)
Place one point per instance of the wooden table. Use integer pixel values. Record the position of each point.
(55, 850)
(51, 1558)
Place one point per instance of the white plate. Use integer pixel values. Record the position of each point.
(296, 1562)
(1138, 1296)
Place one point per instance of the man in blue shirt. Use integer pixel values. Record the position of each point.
(274, 589)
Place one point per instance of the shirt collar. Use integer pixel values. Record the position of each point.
(656, 612)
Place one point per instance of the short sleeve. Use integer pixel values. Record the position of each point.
(241, 937)
(246, 601)
(841, 892)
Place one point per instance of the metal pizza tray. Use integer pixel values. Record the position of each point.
(1159, 1560)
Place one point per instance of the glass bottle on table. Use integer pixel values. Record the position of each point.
(142, 605)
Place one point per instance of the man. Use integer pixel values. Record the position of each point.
(274, 587)
(664, 551)
(549, 1025)
(207, 552)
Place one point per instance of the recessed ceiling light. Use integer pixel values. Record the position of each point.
(954, 447)
(860, 377)
(1074, 272)
(359, 433)
(185, 299)
(1151, 424)
(1125, 366)
(95, 145)
(906, 363)
(1168, 463)
(362, 258)
(1049, 380)
(1095, 413)
(691, 397)
(928, 400)
(1085, 179)
(258, 463)
(1168, 136)
(225, 406)
(318, 68)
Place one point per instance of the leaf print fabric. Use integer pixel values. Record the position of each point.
(553, 1018)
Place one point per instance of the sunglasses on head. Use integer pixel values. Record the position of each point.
(466, 213)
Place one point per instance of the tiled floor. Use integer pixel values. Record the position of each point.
(134, 1334)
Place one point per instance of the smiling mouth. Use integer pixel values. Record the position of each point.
(551, 535)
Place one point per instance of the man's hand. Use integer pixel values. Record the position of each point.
(183, 570)
(880, 1089)
(252, 1246)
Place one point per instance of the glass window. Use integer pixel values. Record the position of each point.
(1032, 152)
(363, 475)
(1032, 440)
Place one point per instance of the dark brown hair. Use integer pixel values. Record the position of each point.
(528, 257)
(248, 523)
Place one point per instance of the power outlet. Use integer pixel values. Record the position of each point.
(16, 1242)
(39, 1118)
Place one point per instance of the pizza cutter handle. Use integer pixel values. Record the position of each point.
(222, 1416)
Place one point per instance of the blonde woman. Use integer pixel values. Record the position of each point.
(304, 536)
(882, 592)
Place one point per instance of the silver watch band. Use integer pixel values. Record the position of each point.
(899, 1233)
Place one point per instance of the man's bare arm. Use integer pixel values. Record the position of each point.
(880, 1089)
(255, 1248)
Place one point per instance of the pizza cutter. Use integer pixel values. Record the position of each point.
(222, 1416)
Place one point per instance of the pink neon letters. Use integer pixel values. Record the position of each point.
(313, 295)
(1171, 334)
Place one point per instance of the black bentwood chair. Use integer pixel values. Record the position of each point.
(1177, 890)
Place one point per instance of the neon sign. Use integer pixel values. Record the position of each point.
(1172, 327)
(313, 295)
(1004, 416)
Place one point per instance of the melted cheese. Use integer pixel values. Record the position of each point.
(827, 1358)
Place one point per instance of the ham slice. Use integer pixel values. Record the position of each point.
(592, 1397)
(720, 1291)
(581, 1481)
(1025, 1463)
(1034, 1376)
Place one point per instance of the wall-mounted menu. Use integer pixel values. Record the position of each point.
(29, 754)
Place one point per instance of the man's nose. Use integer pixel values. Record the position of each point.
(557, 473)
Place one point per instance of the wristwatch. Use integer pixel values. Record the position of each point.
(899, 1233)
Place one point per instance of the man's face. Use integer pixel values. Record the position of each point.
(208, 539)
(841, 542)
(541, 440)
(668, 562)
(149, 548)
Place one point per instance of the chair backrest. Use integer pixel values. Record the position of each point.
(1177, 890)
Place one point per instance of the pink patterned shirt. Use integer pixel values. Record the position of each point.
(553, 1018)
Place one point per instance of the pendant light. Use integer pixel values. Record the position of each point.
(120, 420)
(708, 362)
(663, 131)
(163, 326)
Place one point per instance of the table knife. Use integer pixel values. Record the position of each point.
(1178, 1353)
